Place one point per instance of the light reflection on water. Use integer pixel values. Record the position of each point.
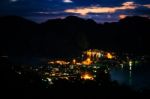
(138, 77)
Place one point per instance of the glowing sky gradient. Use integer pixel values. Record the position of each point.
(99, 10)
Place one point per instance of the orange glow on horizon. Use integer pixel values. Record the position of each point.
(97, 9)
(147, 5)
(122, 16)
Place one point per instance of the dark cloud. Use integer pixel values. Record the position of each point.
(100, 2)
(142, 11)
(142, 1)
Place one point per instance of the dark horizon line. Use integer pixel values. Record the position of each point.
(85, 19)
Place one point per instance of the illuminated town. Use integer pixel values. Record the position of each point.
(88, 66)
(74, 49)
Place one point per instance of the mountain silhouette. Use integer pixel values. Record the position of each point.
(70, 36)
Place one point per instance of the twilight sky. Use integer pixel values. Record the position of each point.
(99, 10)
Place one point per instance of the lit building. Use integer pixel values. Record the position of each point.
(87, 76)
(93, 54)
(109, 56)
(87, 62)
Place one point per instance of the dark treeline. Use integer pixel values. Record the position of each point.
(69, 36)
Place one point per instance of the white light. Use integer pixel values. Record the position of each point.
(67, 1)
(49, 79)
(130, 65)
(13, 0)
(130, 68)
(122, 66)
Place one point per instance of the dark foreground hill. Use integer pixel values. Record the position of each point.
(69, 36)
